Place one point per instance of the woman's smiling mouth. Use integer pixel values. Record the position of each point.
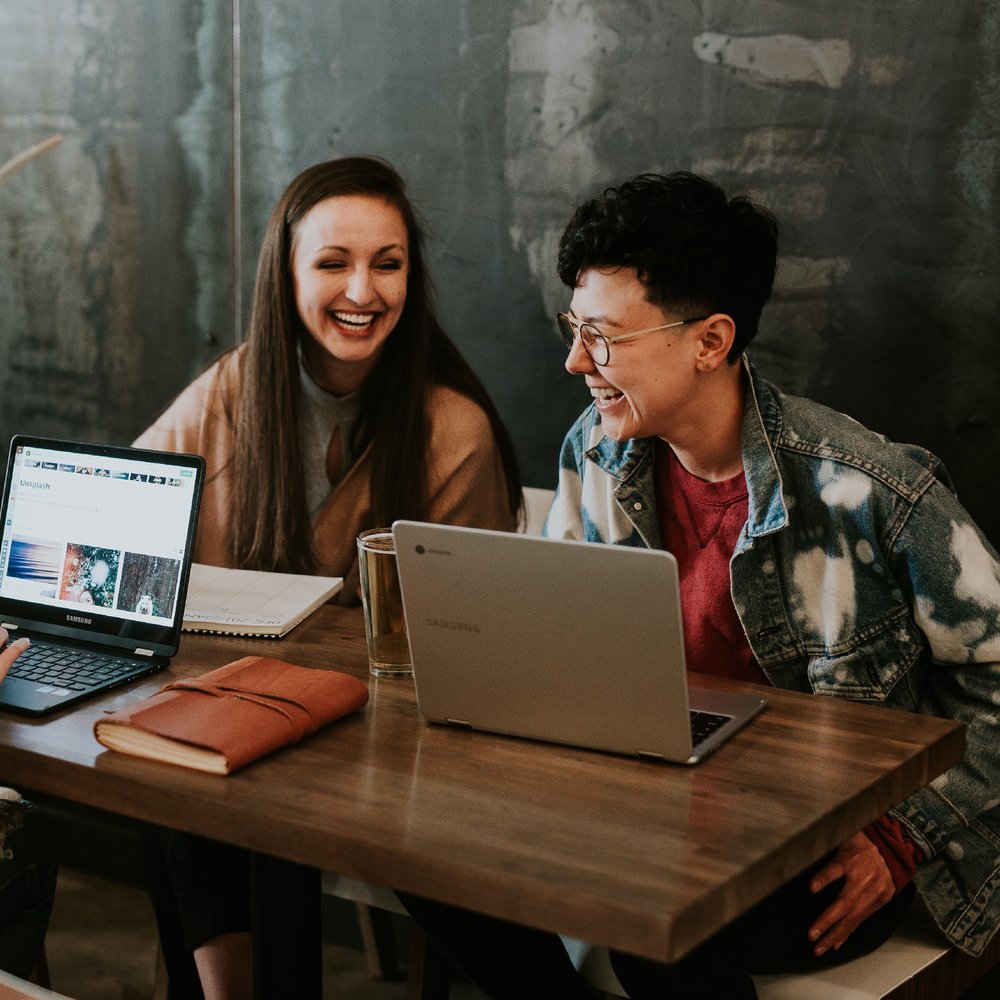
(355, 322)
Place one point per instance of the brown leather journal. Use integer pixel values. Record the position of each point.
(231, 716)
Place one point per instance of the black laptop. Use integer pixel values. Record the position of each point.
(94, 565)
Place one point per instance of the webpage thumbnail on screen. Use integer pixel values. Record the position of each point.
(108, 532)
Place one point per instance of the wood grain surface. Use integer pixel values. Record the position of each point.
(647, 857)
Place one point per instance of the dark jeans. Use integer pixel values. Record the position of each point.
(511, 962)
(199, 889)
(27, 887)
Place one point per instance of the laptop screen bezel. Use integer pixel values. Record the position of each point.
(104, 629)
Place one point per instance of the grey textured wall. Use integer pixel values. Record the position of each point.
(114, 247)
(870, 128)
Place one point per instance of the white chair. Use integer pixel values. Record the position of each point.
(373, 905)
(536, 505)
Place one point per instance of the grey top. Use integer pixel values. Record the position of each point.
(321, 415)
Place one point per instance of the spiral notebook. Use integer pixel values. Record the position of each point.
(253, 602)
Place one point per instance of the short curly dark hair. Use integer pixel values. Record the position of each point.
(693, 247)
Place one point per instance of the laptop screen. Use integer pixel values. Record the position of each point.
(97, 538)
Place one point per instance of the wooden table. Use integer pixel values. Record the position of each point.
(646, 857)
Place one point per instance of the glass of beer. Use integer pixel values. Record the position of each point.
(385, 627)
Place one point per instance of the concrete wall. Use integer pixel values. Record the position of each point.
(126, 253)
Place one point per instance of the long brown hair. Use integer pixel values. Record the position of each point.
(271, 526)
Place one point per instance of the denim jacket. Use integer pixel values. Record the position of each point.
(857, 574)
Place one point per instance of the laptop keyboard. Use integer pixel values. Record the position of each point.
(703, 724)
(72, 669)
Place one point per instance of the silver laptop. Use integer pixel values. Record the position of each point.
(570, 642)
(94, 563)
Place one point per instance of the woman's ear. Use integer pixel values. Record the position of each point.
(715, 337)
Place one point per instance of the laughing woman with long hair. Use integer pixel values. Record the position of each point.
(348, 405)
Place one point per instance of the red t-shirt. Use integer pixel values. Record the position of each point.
(700, 523)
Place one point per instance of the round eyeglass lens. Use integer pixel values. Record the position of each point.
(566, 330)
(595, 344)
(592, 339)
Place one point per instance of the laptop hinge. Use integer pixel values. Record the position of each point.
(144, 652)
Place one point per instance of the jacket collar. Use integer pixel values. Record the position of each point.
(621, 459)
(768, 511)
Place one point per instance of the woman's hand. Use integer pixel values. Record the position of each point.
(10, 653)
(868, 887)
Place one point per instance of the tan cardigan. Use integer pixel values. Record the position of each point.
(466, 479)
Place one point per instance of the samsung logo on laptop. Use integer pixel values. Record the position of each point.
(453, 625)
(80, 620)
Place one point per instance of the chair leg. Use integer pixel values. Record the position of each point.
(40, 973)
(429, 975)
(161, 981)
(379, 941)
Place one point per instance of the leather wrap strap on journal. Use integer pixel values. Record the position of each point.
(298, 716)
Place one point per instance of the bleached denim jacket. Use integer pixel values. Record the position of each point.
(858, 574)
